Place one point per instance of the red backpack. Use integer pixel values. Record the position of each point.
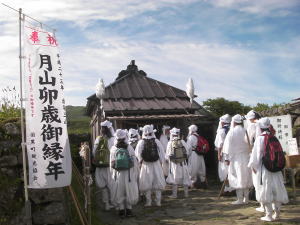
(202, 146)
(273, 157)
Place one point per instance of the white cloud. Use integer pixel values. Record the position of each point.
(262, 7)
(82, 12)
(218, 70)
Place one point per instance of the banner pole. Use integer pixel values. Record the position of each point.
(23, 144)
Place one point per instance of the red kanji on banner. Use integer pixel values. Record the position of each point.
(51, 40)
(34, 37)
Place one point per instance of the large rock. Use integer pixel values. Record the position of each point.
(11, 129)
(8, 161)
(297, 110)
(54, 213)
(20, 219)
(297, 122)
(10, 145)
(39, 196)
(11, 172)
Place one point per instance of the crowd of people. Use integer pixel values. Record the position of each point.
(130, 166)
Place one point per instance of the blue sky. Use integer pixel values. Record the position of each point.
(244, 50)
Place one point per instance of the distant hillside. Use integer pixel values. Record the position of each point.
(78, 122)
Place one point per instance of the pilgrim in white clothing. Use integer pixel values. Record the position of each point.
(237, 149)
(103, 174)
(253, 131)
(178, 171)
(223, 128)
(164, 139)
(133, 137)
(124, 188)
(270, 189)
(196, 162)
(151, 173)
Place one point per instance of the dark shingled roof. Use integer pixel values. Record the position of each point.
(133, 92)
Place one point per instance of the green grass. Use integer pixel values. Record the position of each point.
(78, 122)
(74, 218)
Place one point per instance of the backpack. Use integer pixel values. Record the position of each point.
(122, 161)
(226, 128)
(273, 157)
(102, 154)
(150, 151)
(178, 152)
(202, 146)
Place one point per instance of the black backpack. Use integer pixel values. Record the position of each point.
(150, 151)
(273, 157)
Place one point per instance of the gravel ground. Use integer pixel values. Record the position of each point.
(201, 207)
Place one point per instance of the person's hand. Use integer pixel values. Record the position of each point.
(219, 156)
(254, 171)
(227, 162)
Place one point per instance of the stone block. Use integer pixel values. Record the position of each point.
(8, 161)
(39, 196)
(53, 213)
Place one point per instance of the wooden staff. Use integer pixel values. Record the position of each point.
(223, 187)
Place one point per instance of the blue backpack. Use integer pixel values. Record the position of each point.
(122, 161)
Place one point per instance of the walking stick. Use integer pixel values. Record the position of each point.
(223, 187)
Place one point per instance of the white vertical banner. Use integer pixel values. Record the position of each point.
(48, 149)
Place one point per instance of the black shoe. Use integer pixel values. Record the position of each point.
(122, 213)
(129, 213)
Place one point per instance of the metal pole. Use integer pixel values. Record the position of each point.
(23, 144)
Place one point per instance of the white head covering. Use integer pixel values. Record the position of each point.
(164, 128)
(174, 131)
(250, 115)
(264, 122)
(224, 119)
(133, 135)
(236, 119)
(148, 129)
(192, 128)
(120, 134)
(108, 124)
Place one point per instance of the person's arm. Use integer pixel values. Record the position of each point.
(168, 151)
(227, 147)
(221, 143)
(187, 149)
(139, 148)
(256, 154)
(161, 151)
(192, 144)
(96, 143)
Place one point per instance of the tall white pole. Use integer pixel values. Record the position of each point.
(23, 144)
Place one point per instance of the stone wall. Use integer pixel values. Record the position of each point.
(48, 205)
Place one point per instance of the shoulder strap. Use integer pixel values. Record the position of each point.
(266, 140)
